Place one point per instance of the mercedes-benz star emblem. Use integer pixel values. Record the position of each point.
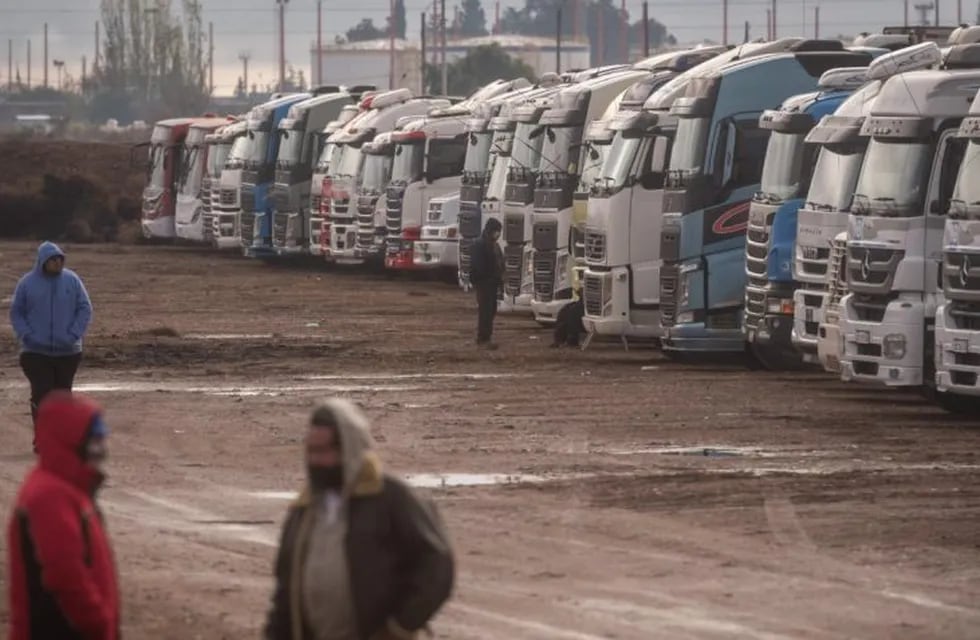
(866, 266)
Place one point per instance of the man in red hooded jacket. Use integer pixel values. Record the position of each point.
(62, 575)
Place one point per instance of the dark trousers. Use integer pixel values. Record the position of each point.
(568, 324)
(47, 373)
(486, 300)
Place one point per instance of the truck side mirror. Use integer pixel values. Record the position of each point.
(728, 151)
(659, 155)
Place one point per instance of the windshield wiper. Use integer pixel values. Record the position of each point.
(860, 204)
(765, 197)
(887, 205)
(816, 206)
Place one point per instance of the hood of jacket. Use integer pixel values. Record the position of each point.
(492, 225)
(64, 422)
(45, 252)
(362, 467)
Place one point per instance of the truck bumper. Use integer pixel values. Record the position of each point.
(191, 231)
(607, 306)
(697, 337)
(435, 254)
(401, 260)
(547, 312)
(864, 358)
(958, 356)
(774, 332)
(829, 345)
(162, 227)
(807, 317)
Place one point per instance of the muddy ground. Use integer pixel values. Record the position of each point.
(603, 494)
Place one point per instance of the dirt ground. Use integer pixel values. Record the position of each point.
(601, 494)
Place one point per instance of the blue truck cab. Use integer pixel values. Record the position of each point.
(258, 174)
(771, 235)
(715, 168)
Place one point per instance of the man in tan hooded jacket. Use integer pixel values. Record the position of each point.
(362, 557)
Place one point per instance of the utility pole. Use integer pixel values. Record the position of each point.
(28, 63)
(768, 24)
(211, 57)
(84, 74)
(95, 62)
(442, 48)
(937, 13)
(804, 18)
(774, 36)
(10, 64)
(244, 57)
(600, 31)
(745, 37)
(282, 44)
(816, 22)
(319, 42)
(45, 55)
(496, 18)
(646, 29)
(624, 32)
(59, 65)
(558, 41)
(906, 13)
(959, 11)
(391, 44)
(425, 63)
(724, 22)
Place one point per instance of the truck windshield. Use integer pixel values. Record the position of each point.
(893, 178)
(834, 176)
(192, 168)
(618, 165)
(155, 169)
(290, 147)
(526, 150)
(377, 170)
(593, 157)
(217, 155)
(560, 149)
(407, 166)
(239, 153)
(478, 153)
(966, 194)
(349, 163)
(783, 168)
(687, 156)
(257, 150)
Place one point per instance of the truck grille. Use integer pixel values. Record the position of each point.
(229, 197)
(595, 246)
(669, 277)
(280, 199)
(755, 306)
(393, 211)
(247, 225)
(280, 223)
(514, 227)
(837, 275)
(469, 219)
(593, 291)
(812, 261)
(248, 200)
(961, 276)
(965, 316)
(316, 225)
(757, 247)
(513, 269)
(365, 221)
(314, 203)
(206, 209)
(465, 257)
(544, 275)
(871, 270)
(870, 308)
(670, 242)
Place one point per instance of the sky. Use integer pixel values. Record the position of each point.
(251, 26)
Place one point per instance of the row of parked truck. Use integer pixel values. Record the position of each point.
(795, 202)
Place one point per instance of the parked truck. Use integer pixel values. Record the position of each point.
(191, 188)
(220, 144)
(379, 155)
(621, 283)
(715, 167)
(226, 195)
(299, 137)
(958, 314)
(896, 220)
(162, 169)
(771, 234)
(438, 246)
(328, 155)
(428, 163)
(258, 174)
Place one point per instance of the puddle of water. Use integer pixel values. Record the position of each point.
(228, 336)
(414, 376)
(453, 480)
(235, 390)
(704, 451)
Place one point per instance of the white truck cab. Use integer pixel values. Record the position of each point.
(438, 246)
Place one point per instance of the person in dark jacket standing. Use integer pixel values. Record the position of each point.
(361, 556)
(487, 277)
(50, 313)
(62, 577)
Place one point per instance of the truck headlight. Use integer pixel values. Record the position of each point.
(893, 346)
(779, 306)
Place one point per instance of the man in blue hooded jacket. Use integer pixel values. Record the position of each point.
(50, 313)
